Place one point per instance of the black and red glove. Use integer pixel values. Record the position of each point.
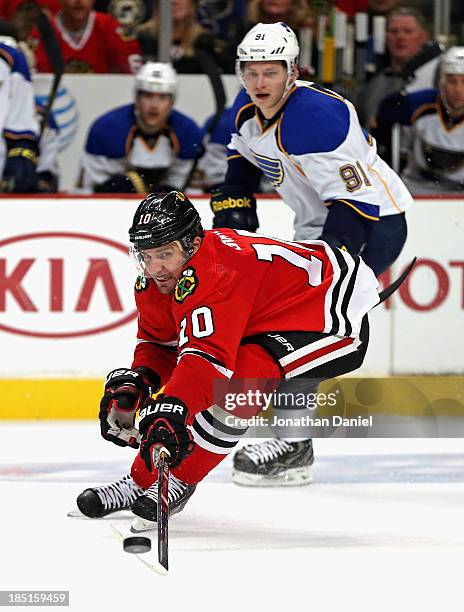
(125, 392)
(162, 422)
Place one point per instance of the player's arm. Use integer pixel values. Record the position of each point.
(20, 126)
(330, 147)
(233, 203)
(209, 337)
(126, 389)
(186, 138)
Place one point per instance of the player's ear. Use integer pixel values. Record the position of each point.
(296, 72)
(196, 244)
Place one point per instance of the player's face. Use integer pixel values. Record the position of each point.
(265, 83)
(453, 89)
(77, 9)
(405, 38)
(165, 264)
(153, 108)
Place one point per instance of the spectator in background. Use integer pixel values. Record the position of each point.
(406, 35)
(91, 42)
(188, 37)
(19, 143)
(295, 13)
(436, 158)
(145, 146)
(381, 7)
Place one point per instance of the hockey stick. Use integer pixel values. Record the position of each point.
(213, 73)
(387, 292)
(161, 456)
(55, 57)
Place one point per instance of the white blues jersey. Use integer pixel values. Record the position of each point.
(315, 153)
(18, 121)
(437, 152)
(115, 144)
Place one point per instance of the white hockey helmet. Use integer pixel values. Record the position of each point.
(452, 61)
(267, 42)
(156, 77)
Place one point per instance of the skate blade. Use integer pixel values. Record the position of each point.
(291, 478)
(76, 513)
(140, 525)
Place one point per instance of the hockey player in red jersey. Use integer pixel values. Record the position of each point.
(216, 306)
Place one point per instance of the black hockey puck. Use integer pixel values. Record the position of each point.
(136, 545)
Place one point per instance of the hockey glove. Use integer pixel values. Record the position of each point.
(235, 209)
(125, 392)
(162, 422)
(19, 174)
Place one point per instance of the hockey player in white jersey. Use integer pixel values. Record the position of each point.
(436, 158)
(308, 141)
(144, 146)
(18, 123)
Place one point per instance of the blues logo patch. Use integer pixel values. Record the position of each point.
(186, 285)
(141, 284)
(272, 168)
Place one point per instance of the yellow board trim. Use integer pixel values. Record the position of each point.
(71, 399)
(25, 399)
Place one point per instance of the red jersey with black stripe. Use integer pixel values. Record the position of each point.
(240, 284)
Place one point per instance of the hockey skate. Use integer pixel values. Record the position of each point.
(145, 507)
(274, 463)
(101, 501)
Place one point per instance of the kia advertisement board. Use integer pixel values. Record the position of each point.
(66, 288)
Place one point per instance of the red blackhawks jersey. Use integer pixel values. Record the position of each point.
(239, 284)
(102, 48)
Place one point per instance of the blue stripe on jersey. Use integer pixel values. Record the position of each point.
(187, 133)
(272, 168)
(370, 211)
(314, 121)
(108, 134)
(16, 59)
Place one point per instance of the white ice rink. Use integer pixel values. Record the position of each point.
(381, 528)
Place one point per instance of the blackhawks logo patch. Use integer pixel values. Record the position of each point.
(186, 285)
(141, 284)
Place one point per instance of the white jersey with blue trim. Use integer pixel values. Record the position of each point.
(115, 144)
(316, 153)
(437, 152)
(17, 111)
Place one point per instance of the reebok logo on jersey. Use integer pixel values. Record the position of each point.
(186, 285)
(231, 203)
(141, 284)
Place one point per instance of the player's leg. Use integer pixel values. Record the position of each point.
(287, 460)
(385, 242)
(215, 438)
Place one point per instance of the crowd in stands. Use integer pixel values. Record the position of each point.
(122, 36)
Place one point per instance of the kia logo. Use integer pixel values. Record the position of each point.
(64, 285)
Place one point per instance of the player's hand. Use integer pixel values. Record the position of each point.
(125, 392)
(162, 421)
(234, 209)
(19, 174)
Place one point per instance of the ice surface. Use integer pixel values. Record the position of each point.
(379, 529)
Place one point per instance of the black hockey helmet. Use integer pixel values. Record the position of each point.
(165, 217)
